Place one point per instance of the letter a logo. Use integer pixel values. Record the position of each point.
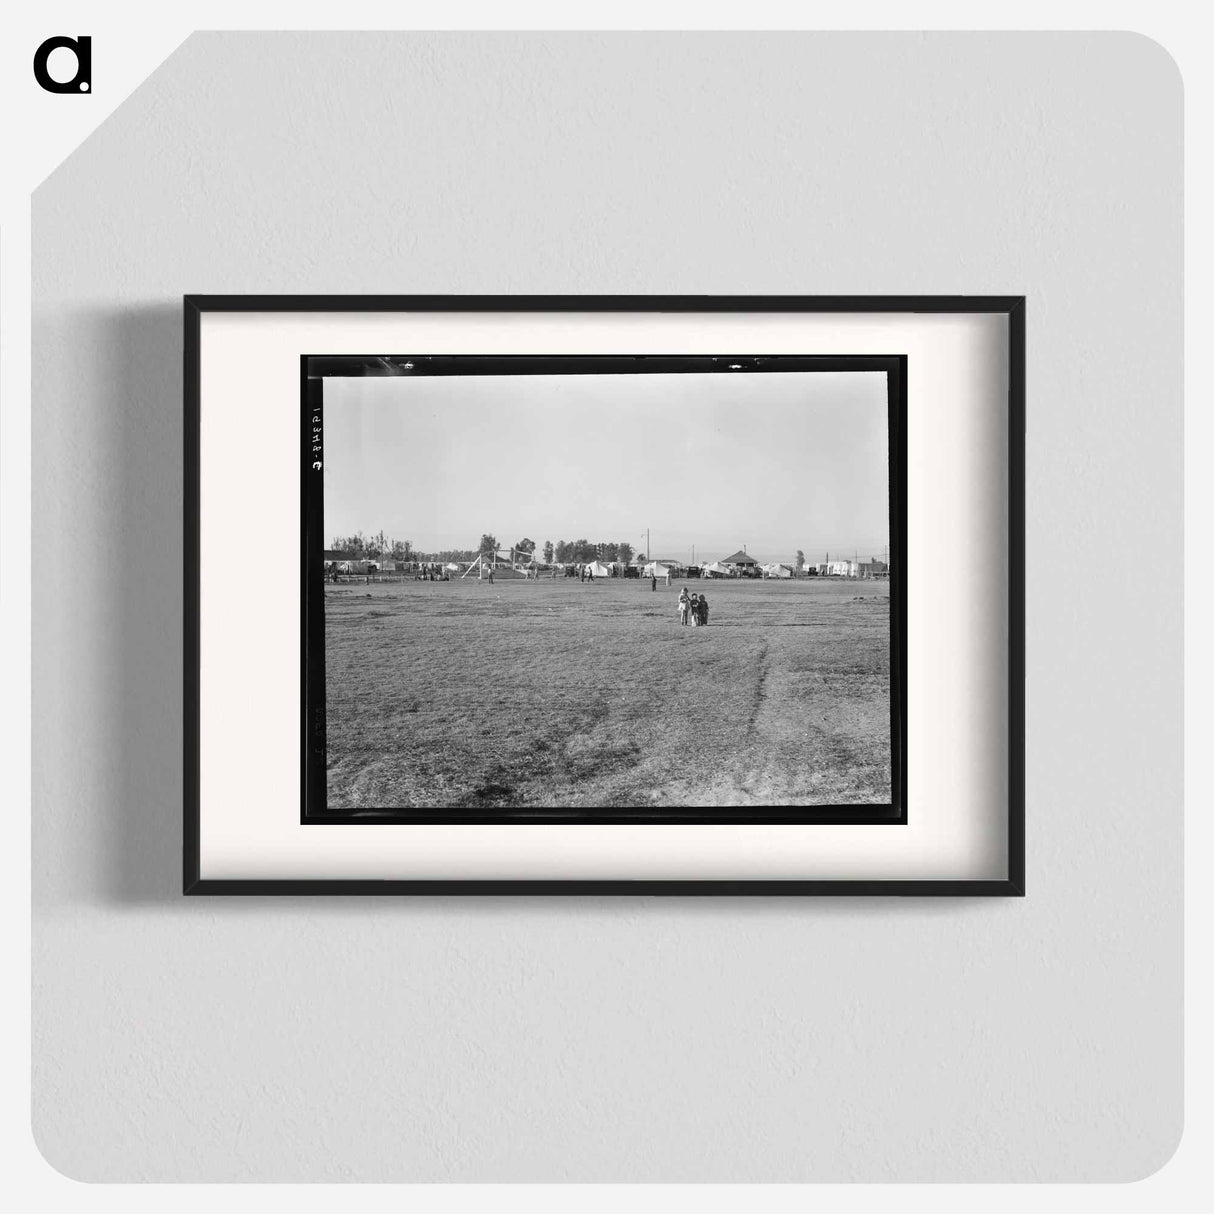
(82, 81)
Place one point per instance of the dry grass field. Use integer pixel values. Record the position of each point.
(553, 693)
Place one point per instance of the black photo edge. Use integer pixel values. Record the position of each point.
(313, 799)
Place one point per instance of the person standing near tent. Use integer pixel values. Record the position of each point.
(684, 604)
(668, 577)
(653, 581)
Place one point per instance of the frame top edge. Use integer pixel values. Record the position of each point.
(604, 303)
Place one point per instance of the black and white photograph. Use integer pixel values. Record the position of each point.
(659, 587)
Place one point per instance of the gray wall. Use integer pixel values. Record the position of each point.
(629, 1039)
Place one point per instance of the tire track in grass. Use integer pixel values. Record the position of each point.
(748, 784)
(760, 693)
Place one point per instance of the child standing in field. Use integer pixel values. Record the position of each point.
(703, 611)
(684, 604)
(695, 611)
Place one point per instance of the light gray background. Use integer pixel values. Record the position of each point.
(631, 1039)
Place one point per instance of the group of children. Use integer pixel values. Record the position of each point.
(693, 609)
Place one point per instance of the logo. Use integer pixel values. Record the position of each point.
(82, 81)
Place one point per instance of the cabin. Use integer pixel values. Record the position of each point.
(741, 565)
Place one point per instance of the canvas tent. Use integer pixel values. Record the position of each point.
(661, 569)
(598, 569)
(776, 570)
(716, 569)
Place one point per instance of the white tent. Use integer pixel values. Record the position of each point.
(716, 569)
(776, 571)
(660, 569)
(598, 569)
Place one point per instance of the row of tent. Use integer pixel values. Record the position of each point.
(660, 569)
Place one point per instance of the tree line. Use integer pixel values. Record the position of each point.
(379, 547)
(564, 552)
(568, 552)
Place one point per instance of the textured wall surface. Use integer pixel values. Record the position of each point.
(632, 1039)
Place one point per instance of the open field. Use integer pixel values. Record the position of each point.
(554, 693)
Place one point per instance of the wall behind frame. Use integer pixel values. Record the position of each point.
(1034, 1039)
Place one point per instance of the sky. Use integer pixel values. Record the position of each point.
(773, 461)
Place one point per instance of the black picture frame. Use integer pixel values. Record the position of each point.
(1010, 307)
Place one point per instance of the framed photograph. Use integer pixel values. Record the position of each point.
(604, 595)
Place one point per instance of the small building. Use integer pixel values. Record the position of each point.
(337, 561)
(839, 569)
(741, 564)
